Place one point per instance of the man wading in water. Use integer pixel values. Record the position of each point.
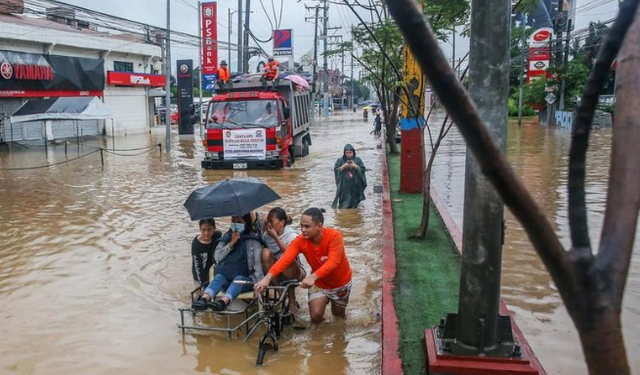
(330, 278)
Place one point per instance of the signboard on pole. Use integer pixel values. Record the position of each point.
(283, 42)
(541, 37)
(209, 12)
(244, 144)
(185, 96)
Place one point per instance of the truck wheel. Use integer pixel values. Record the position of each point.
(290, 157)
(305, 147)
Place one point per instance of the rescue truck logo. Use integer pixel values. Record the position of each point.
(6, 70)
(228, 133)
(208, 12)
(258, 133)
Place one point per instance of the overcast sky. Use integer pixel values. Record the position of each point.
(184, 17)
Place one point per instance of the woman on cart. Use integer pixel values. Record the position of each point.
(238, 258)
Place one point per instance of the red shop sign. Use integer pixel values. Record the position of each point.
(209, 35)
(135, 79)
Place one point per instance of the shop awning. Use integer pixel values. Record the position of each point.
(78, 108)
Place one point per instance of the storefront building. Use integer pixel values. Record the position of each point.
(41, 58)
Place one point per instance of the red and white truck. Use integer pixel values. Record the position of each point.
(250, 128)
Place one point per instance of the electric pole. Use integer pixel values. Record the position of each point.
(315, 51)
(352, 85)
(229, 38)
(325, 97)
(523, 47)
(167, 63)
(240, 45)
(565, 63)
(246, 36)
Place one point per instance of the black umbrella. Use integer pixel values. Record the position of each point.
(231, 197)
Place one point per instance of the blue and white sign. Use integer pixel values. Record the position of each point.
(209, 81)
(283, 42)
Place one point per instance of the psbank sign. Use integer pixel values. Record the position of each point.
(135, 79)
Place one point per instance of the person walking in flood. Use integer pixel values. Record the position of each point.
(377, 123)
(330, 278)
(351, 179)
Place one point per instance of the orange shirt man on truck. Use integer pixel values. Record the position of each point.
(271, 73)
(330, 278)
(224, 76)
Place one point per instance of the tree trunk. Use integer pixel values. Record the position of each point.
(426, 198)
(603, 345)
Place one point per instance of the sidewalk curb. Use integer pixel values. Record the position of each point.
(391, 362)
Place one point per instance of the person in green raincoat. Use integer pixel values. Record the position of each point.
(350, 179)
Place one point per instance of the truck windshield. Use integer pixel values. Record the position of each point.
(242, 114)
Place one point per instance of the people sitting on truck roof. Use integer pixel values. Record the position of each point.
(271, 74)
(269, 117)
(224, 76)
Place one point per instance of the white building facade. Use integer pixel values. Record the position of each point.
(59, 56)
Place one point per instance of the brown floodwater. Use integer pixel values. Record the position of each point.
(95, 263)
(540, 156)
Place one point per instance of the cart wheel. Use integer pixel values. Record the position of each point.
(261, 352)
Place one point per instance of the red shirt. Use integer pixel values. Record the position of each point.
(328, 260)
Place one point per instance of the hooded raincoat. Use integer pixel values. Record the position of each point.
(350, 182)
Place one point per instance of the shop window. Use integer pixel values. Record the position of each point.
(120, 66)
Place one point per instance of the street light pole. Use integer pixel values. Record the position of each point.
(167, 63)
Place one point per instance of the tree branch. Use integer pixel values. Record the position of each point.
(493, 164)
(623, 194)
(413, 107)
(582, 127)
(367, 68)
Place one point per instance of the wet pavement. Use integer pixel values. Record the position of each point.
(540, 156)
(95, 263)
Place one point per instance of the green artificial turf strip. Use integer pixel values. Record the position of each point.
(427, 276)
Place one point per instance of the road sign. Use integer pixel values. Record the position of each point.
(550, 98)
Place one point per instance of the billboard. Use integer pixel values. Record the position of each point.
(209, 15)
(283, 42)
(21, 73)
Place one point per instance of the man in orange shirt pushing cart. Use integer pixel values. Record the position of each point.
(330, 278)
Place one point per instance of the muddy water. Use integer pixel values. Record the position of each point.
(95, 263)
(540, 156)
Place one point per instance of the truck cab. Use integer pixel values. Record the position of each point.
(249, 128)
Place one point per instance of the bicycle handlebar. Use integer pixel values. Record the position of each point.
(284, 288)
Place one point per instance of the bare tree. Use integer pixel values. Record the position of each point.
(591, 285)
(421, 232)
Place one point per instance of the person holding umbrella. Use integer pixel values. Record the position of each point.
(238, 258)
(238, 253)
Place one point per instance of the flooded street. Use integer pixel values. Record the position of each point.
(95, 263)
(540, 156)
